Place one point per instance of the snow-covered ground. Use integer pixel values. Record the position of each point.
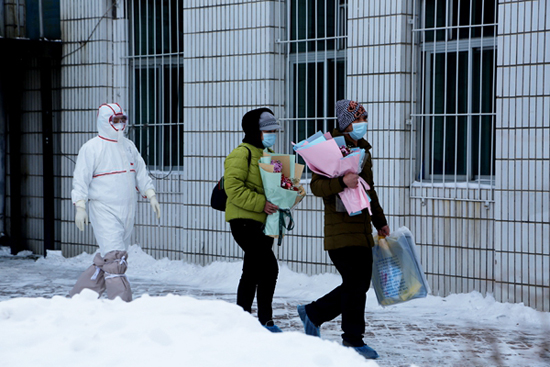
(202, 326)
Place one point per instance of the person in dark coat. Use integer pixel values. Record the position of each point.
(348, 239)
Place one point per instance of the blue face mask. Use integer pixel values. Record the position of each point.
(359, 130)
(269, 139)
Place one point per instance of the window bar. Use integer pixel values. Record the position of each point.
(156, 92)
(452, 27)
(413, 96)
(493, 107)
(279, 35)
(311, 39)
(173, 45)
(423, 103)
(455, 189)
(146, 68)
(326, 85)
(479, 117)
(132, 67)
(315, 24)
(339, 31)
(142, 43)
(345, 43)
(448, 20)
(174, 90)
(166, 101)
(296, 71)
(326, 67)
(315, 68)
(469, 135)
(175, 71)
(167, 80)
(296, 81)
(291, 72)
(306, 94)
(432, 101)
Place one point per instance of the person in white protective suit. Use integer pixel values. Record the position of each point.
(109, 170)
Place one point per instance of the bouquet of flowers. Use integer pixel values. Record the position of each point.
(281, 180)
(330, 157)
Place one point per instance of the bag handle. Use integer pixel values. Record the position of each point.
(383, 243)
(283, 214)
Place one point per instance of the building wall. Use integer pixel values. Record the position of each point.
(522, 195)
(492, 240)
(493, 245)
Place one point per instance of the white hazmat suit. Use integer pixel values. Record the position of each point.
(109, 173)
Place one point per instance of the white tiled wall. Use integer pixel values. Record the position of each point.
(522, 195)
(233, 64)
(230, 53)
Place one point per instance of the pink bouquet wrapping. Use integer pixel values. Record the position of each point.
(324, 157)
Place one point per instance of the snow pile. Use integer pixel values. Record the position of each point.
(152, 331)
(183, 331)
(219, 276)
(223, 277)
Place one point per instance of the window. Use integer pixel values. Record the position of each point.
(455, 113)
(316, 54)
(156, 81)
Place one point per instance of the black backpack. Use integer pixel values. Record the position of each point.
(219, 197)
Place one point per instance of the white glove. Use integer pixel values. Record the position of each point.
(155, 204)
(81, 216)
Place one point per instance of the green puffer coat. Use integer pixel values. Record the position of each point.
(243, 185)
(341, 230)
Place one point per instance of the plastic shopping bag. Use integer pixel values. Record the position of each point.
(397, 274)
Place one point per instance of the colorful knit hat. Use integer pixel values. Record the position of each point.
(348, 111)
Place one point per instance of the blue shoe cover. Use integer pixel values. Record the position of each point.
(365, 351)
(273, 328)
(309, 327)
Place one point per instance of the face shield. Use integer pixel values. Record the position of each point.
(118, 122)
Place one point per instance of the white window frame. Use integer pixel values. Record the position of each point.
(157, 62)
(326, 56)
(422, 116)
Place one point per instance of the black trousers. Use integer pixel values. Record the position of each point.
(260, 268)
(348, 299)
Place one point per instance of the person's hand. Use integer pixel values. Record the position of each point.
(80, 218)
(270, 208)
(384, 231)
(155, 205)
(351, 180)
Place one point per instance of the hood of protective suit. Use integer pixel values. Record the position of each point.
(105, 126)
(251, 127)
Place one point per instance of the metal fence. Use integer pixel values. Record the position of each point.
(315, 43)
(454, 112)
(156, 81)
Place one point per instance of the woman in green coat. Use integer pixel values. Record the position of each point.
(246, 211)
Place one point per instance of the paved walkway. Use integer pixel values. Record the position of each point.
(420, 340)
